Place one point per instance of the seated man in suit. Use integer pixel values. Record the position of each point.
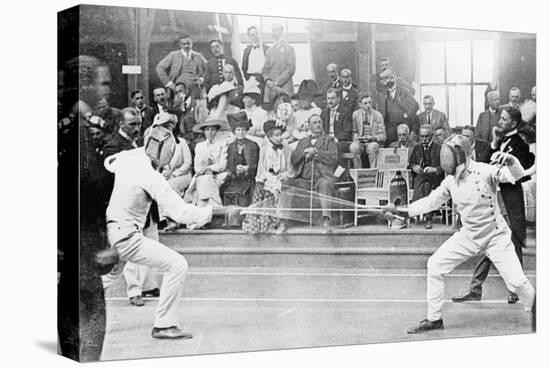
(337, 123)
(481, 150)
(439, 135)
(369, 133)
(426, 167)
(334, 82)
(431, 116)
(403, 139)
(349, 93)
(489, 118)
(313, 163)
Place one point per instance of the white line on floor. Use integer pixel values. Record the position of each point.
(308, 300)
(396, 275)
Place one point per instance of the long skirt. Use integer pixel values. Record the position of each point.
(260, 223)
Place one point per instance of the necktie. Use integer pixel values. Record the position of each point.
(429, 119)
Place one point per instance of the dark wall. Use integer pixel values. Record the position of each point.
(342, 54)
(402, 55)
(517, 66)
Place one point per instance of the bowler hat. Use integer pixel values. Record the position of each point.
(239, 119)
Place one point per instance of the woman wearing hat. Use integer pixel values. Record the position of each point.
(256, 114)
(307, 93)
(242, 163)
(273, 165)
(210, 165)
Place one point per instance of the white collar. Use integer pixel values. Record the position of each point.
(348, 87)
(125, 136)
(510, 133)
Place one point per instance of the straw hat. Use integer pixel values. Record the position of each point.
(220, 89)
(251, 87)
(210, 121)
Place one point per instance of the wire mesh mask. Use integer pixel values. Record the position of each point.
(160, 146)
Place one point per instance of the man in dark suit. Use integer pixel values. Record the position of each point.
(183, 65)
(506, 139)
(349, 94)
(254, 57)
(481, 150)
(399, 107)
(160, 100)
(313, 163)
(426, 167)
(488, 119)
(337, 122)
(146, 113)
(334, 82)
(431, 116)
(214, 67)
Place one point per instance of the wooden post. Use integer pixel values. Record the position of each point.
(363, 57)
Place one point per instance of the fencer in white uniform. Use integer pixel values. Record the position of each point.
(472, 186)
(137, 183)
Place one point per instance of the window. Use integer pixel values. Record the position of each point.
(299, 40)
(456, 74)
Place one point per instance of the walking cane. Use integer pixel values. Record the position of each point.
(311, 195)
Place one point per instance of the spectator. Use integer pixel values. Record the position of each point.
(513, 98)
(431, 116)
(185, 110)
(183, 65)
(210, 165)
(145, 112)
(426, 167)
(481, 151)
(242, 164)
(488, 119)
(256, 114)
(254, 57)
(313, 163)
(439, 135)
(334, 82)
(279, 67)
(161, 100)
(386, 64)
(127, 135)
(307, 92)
(336, 123)
(216, 67)
(403, 140)
(369, 133)
(399, 107)
(350, 95)
(273, 167)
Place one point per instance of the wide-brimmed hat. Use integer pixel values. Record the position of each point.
(308, 88)
(220, 89)
(270, 125)
(210, 121)
(251, 87)
(239, 119)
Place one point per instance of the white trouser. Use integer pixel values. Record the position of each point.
(134, 247)
(139, 278)
(459, 248)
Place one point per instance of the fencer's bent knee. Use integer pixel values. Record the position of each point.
(433, 268)
(180, 265)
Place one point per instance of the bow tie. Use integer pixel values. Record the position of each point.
(276, 147)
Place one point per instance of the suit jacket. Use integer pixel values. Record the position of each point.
(213, 74)
(251, 154)
(147, 117)
(417, 157)
(343, 126)
(408, 105)
(280, 66)
(326, 159)
(246, 56)
(482, 151)
(169, 68)
(439, 119)
(377, 127)
(485, 124)
(351, 100)
(512, 194)
(410, 145)
(117, 144)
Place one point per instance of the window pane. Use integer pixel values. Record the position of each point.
(303, 62)
(479, 100)
(459, 106)
(297, 25)
(458, 62)
(267, 23)
(432, 62)
(483, 61)
(246, 21)
(439, 97)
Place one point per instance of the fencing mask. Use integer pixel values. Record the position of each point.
(455, 151)
(160, 146)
